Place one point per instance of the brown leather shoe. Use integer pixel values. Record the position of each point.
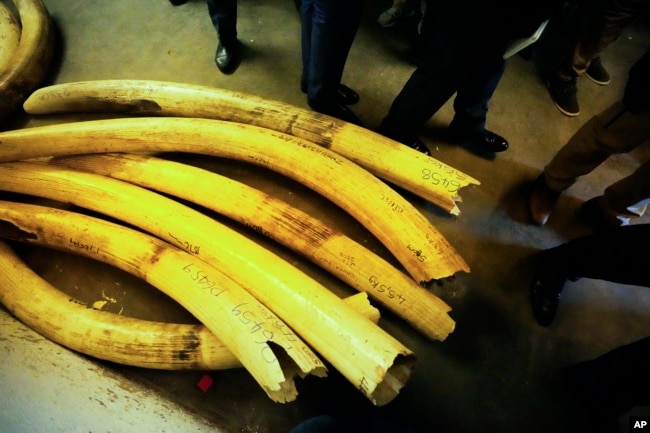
(541, 201)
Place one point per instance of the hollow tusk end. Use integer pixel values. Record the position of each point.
(287, 392)
(8, 230)
(320, 372)
(394, 380)
(442, 335)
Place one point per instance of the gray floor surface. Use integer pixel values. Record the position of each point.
(498, 371)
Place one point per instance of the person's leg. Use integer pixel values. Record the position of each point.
(619, 255)
(321, 81)
(604, 25)
(605, 21)
(628, 198)
(349, 18)
(471, 103)
(613, 131)
(320, 424)
(306, 18)
(347, 29)
(223, 14)
(333, 27)
(445, 65)
(614, 382)
(558, 75)
(328, 29)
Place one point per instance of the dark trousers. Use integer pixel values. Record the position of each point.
(223, 14)
(327, 32)
(615, 130)
(617, 381)
(349, 424)
(605, 20)
(470, 65)
(620, 255)
(614, 382)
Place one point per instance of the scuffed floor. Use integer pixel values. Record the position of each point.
(47, 388)
(498, 371)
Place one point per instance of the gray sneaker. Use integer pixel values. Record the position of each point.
(564, 95)
(597, 73)
(392, 15)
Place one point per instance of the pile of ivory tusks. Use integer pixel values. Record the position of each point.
(26, 47)
(241, 292)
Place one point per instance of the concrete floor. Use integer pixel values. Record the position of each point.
(498, 371)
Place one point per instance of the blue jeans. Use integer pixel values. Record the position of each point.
(331, 424)
(320, 424)
(470, 65)
(328, 28)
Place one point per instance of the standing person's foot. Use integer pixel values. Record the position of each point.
(337, 110)
(564, 95)
(544, 300)
(541, 201)
(597, 214)
(409, 140)
(546, 289)
(597, 73)
(392, 15)
(344, 94)
(479, 140)
(415, 143)
(228, 57)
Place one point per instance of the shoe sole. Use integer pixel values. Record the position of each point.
(562, 110)
(599, 82)
(566, 113)
(393, 23)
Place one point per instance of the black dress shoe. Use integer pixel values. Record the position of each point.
(346, 96)
(418, 145)
(545, 299)
(227, 57)
(484, 140)
(335, 110)
(409, 140)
